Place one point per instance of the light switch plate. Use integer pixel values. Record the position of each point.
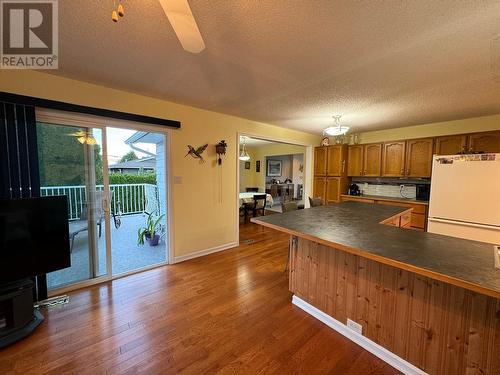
(356, 327)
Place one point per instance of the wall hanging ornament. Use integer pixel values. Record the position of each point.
(196, 153)
(220, 149)
(117, 11)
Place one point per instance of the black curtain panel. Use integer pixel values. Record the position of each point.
(19, 171)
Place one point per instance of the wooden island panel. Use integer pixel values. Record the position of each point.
(438, 327)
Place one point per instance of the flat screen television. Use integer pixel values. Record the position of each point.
(34, 237)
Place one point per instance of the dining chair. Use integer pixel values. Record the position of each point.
(315, 202)
(289, 206)
(257, 206)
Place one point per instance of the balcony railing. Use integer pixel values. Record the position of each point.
(126, 198)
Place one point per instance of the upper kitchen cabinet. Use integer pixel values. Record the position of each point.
(320, 157)
(419, 157)
(451, 144)
(355, 161)
(372, 160)
(336, 160)
(486, 142)
(393, 159)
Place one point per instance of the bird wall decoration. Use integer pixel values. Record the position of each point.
(196, 153)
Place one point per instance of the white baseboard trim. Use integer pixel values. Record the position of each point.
(200, 253)
(374, 348)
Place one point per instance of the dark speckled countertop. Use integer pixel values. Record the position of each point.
(355, 227)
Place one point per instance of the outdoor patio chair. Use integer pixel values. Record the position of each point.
(81, 225)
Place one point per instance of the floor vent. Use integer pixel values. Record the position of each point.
(247, 242)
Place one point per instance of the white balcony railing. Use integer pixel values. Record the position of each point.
(126, 198)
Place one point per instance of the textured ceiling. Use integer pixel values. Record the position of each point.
(380, 64)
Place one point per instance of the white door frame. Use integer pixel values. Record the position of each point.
(90, 121)
(307, 169)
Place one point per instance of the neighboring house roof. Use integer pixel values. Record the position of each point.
(145, 163)
(144, 137)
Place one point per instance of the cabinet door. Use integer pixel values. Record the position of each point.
(333, 186)
(320, 154)
(486, 142)
(372, 160)
(335, 160)
(419, 157)
(451, 145)
(355, 161)
(393, 159)
(319, 188)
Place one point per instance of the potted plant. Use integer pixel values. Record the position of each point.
(149, 231)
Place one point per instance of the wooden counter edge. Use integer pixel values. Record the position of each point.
(394, 263)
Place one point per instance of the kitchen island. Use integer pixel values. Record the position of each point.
(432, 300)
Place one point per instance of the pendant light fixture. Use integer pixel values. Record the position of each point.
(337, 129)
(244, 153)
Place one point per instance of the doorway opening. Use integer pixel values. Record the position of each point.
(274, 169)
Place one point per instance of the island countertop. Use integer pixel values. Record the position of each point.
(355, 228)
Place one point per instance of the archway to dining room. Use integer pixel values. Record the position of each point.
(271, 174)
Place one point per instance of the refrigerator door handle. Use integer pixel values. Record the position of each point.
(474, 225)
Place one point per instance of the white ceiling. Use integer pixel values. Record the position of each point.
(380, 64)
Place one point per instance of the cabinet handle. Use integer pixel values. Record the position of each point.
(343, 166)
(402, 171)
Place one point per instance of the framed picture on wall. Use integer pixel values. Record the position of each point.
(257, 166)
(247, 165)
(274, 168)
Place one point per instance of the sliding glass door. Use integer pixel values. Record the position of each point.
(136, 162)
(71, 164)
(115, 182)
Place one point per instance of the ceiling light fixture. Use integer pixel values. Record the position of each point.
(244, 153)
(337, 129)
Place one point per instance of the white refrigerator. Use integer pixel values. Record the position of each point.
(465, 197)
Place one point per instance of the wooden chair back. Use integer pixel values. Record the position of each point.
(315, 202)
(252, 189)
(289, 206)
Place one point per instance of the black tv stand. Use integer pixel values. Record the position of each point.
(18, 317)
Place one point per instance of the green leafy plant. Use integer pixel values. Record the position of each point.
(149, 231)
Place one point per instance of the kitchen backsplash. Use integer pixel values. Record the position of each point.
(394, 191)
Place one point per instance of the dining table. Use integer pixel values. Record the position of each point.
(247, 197)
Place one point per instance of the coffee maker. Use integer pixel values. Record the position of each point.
(354, 189)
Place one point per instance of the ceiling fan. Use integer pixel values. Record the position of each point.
(84, 137)
(181, 18)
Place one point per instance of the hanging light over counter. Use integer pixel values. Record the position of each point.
(337, 129)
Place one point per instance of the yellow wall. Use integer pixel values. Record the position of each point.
(200, 220)
(470, 125)
(260, 153)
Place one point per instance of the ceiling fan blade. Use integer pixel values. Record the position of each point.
(181, 18)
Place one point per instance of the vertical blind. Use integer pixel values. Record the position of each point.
(19, 171)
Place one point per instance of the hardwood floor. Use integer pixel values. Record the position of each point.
(227, 313)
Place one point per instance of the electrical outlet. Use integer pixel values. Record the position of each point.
(356, 327)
